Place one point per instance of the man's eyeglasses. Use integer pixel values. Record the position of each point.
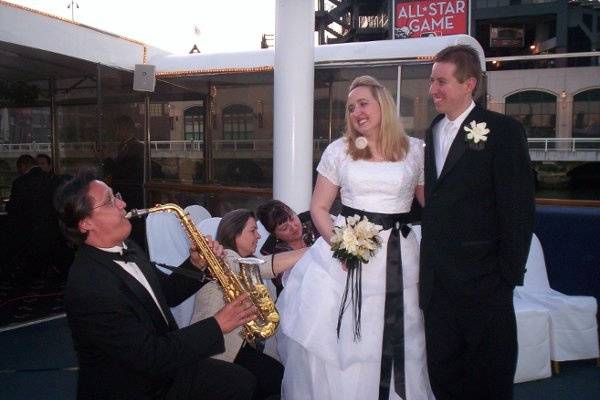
(112, 201)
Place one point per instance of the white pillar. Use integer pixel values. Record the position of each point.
(293, 97)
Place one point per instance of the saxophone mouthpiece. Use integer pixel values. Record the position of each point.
(135, 213)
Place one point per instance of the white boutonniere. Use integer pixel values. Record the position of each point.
(476, 135)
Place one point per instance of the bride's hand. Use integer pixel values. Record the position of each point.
(344, 267)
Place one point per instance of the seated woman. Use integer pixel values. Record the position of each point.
(238, 234)
(287, 230)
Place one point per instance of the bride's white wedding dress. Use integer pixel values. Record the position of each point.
(318, 365)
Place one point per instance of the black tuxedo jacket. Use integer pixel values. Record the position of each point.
(126, 349)
(478, 216)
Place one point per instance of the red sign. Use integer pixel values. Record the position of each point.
(430, 18)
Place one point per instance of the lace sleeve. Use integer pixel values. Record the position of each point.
(421, 162)
(332, 157)
(417, 157)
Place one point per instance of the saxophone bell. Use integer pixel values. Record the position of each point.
(250, 272)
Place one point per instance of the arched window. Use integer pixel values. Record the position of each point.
(238, 122)
(586, 114)
(193, 120)
(535, 110)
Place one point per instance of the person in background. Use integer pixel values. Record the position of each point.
(32, 220)
(125, 173)
(44, 162)
(128, 172)
(117, 302)
(287, 230)
(238, 234)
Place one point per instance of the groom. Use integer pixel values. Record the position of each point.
(477, 225)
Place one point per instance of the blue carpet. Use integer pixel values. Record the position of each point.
(38, 362)
(39, 385)
(578, 380)
(22, 302)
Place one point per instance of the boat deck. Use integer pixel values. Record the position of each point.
(38, 362)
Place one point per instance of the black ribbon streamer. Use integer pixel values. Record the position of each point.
(392, 352)
(354, 286)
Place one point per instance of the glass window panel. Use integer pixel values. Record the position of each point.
(218, 203)
(537, 112)
(176, 140)
(25, 130)
(586, 114)
(416, 107)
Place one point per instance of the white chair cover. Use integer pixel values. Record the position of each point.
(264, 234)
(533, 336)
(573, 326)
(197, 213)
(209, 226)
(168, 244)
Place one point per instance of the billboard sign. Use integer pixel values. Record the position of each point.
(430, 18)
(507, 37)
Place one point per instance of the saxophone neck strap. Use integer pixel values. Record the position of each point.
(197, 274)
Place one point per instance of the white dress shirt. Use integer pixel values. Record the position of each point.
(444, 133)
(132, 269)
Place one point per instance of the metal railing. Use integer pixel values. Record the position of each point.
(262, 145)
(562, 144)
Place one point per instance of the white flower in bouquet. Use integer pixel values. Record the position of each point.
(355, 240)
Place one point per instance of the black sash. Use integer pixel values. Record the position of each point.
(392, 352)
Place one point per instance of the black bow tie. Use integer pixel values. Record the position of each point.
(128, 255)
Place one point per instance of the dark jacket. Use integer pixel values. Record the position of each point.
(126, 349)
(478, 217)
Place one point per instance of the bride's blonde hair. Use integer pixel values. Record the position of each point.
(392, 140)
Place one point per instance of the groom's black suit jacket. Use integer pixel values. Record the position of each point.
(125, 348)
(478, 216)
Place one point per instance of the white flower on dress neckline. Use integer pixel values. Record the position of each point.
(361, 143)
(476, 134)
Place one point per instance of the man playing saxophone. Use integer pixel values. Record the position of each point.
(127, 342)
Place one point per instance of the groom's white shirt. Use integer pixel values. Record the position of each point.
(444, 133)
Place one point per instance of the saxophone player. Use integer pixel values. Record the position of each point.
(127, 342)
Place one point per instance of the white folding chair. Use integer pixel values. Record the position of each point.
(264, 235)
(533, 336)
(168, 244)
(209, 226)
(197, 213)
(573, 326)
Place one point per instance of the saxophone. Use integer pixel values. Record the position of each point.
(232, 284)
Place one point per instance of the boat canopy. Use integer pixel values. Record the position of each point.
(334, 54)
(36, 45)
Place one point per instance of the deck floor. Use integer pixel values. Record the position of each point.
(37, 362)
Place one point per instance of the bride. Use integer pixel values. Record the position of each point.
(360, 336)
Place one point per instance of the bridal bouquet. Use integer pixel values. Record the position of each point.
(355, 241)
